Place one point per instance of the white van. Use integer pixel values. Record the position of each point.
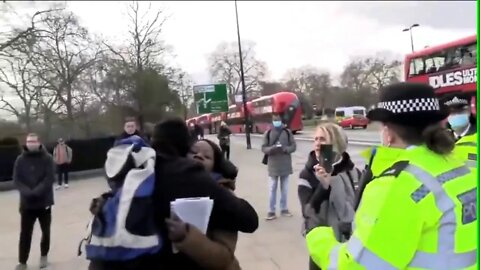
(345, 112)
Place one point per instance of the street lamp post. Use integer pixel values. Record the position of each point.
(409, 29)
(244, 93)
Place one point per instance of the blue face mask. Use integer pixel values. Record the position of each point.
(457, 121)
(277, 123)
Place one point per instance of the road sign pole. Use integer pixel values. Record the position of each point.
(244, 93)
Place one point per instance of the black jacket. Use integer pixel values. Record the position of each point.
(182, 178)
(224, 135)
(33, 176)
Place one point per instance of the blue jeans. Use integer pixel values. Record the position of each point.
(273, 182)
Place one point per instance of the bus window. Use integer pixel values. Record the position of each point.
(468, 55)
(417, 67)
(340, 113)
(434, 62)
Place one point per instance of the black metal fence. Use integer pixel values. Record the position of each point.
(87, 155)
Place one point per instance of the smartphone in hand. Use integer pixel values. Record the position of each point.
(326, 156)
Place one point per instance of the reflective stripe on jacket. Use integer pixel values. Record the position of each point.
(466, 149)
(421, 214)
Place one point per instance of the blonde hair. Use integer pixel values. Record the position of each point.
(338, 137)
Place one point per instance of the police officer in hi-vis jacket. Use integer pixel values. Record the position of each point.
(420, 212)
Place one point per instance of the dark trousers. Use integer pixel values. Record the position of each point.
(28, 218)
(225, 151)
(62, 171)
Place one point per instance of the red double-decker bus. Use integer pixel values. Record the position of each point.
(236, 117)
(191, 121)
(285, 103)
(449, 68)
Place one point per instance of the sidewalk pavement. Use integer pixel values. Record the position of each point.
(277, 245)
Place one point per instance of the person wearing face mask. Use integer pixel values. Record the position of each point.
(421, 212)
(33, 176)
(278, 146)
(62, 154)
(464, 129)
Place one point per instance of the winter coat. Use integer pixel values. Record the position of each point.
(33, 176)
(334, 206)
(279, 162)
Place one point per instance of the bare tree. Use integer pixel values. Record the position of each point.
(269, 88)
(372, 72)
(182, 85)
(27, 35)
(315, 84)
(62, 52)
(224, 66)
(143, 52)
(23, 84)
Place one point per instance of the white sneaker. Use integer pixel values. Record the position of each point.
(57, 187)
(43, 262)
(65, 186)
(21, 267)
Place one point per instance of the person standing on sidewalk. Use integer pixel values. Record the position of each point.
(33, 176)
(130, 128)
(224, 140)
(62, 154)
(278, 146)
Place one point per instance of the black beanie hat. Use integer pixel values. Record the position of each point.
(172, 137)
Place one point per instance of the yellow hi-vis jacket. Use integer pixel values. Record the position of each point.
(466, 150)
(384, 157)
(421, 214)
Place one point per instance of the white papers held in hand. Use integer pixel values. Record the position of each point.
(194, 211)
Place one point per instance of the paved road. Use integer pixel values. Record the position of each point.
(277, 245)
(353, 135)
(356, 136)
(303, 148)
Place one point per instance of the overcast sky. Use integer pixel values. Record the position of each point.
(290, 34)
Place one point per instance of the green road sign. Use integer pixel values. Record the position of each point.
(211, 98)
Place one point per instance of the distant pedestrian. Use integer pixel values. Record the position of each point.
(62, 154)
(33, 176)
(199, 132)
(130, 128)
(278, 146)
(224, 139)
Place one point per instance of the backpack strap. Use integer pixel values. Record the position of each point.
(268, 137)
(288, 134)
(283, 129)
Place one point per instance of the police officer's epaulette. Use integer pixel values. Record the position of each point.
(395, 169)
